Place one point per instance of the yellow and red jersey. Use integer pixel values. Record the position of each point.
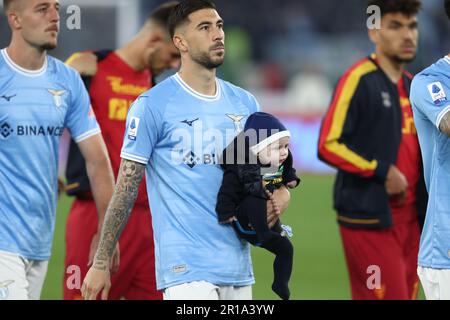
(112, 90)
(368, 127)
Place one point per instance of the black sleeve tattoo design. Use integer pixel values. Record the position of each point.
(119, 209)
(444, 125)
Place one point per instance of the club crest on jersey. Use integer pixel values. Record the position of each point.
(385, 96)
(437, 93)
(57, 96)
(133, 128)
(236, 121)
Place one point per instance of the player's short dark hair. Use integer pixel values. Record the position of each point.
(447, 8)
(184, 9)
(6, 4)
(161, 14)
(407, 7)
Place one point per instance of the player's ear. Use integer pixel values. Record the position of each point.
(13, 20)
(373, 35)
(180, 43)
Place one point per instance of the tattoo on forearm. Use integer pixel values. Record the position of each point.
(444, 125)
(119, 209)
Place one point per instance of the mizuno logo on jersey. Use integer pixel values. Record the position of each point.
(57, 96)
(189, 122)
(437, 93)
(8, 98)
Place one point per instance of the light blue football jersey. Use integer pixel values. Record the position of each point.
(429, 98)
(179, 135)
(35, 106)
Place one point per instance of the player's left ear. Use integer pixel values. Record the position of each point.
(374, 35)
(180, 43)
(14, 20)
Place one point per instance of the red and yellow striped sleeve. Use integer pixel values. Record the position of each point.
(330, 149)
(77, 55)
(73, 57)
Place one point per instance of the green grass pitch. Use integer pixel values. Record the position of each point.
(319, 267)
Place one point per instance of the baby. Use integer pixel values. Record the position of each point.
(256, 163)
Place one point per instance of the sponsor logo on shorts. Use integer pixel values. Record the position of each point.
(179, 269)
(4, 292)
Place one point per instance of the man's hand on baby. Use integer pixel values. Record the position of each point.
(273, 210)
(291, 184)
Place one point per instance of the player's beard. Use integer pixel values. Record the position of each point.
(48, 46)
(400, 60)
(203, 59)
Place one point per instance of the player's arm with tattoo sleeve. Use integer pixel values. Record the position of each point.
(444, 125)
(119, 209)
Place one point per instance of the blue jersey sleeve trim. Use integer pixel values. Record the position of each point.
(135, 158)
(441, 115)
(86, 135)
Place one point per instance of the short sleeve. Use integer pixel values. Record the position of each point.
(429, 97)
(80, 118)
(253, 104)
(142, 131)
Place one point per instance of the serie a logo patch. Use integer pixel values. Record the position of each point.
(133, 128)
(437, 92)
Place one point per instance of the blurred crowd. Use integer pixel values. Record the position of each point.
(290, 53)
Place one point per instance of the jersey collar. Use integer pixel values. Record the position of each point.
(23, 71)
(196, 94)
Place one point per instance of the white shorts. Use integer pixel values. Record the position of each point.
(435, 283)
(202, 290)
(20, 278)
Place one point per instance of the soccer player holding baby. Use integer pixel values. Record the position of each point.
(183, 176)
(256, 162)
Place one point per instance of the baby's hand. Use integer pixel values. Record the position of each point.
(291, 184)
(230, 220)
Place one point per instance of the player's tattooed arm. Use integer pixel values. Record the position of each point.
(119, 209)
(444, 125)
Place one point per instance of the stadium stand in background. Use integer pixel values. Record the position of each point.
(289, 53)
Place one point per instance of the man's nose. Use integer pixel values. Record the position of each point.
(218, 34)
(54, 15)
